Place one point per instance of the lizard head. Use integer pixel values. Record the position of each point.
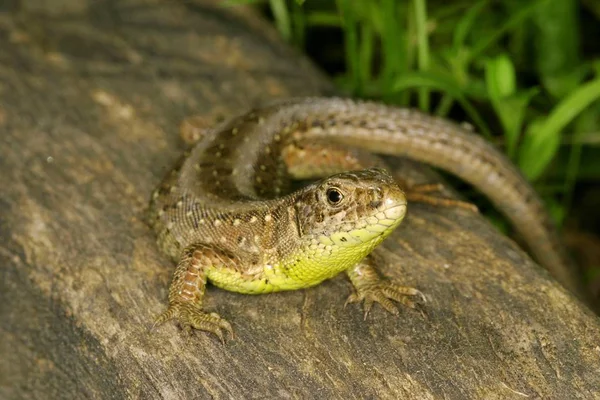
(343, 217)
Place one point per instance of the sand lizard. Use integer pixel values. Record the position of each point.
(226, 215)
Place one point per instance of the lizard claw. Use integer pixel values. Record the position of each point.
(384, 292)
(190, 316)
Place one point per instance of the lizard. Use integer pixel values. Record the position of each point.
(226, 214)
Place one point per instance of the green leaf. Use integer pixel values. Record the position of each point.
(365, 52)
(511, 23)
(542, 139)
(510, 106)
(443, 84)
(393, 42)
(282, 18)
(512, 111)
(351, 43)
(500, 77)
(465, 24)
(557, 46)
(586, 122)
(324, 18)
(423, 53)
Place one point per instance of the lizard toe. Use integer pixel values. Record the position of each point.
(171, 313)
(191, 316)
(383, 293)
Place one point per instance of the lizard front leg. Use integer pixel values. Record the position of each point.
(370, 287)
(186, 292)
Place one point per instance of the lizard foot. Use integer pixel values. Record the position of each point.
(191, 316)
(422, 194)
(383, 292)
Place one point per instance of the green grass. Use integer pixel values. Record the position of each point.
(515, 69)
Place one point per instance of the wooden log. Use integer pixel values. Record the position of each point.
(91, 95)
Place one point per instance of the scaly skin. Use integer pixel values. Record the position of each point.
(223, 212)
(293, 242)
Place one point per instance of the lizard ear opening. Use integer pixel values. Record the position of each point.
(301, 211)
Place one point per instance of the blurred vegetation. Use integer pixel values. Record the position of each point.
(525, 73)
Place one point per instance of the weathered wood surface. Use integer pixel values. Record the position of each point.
(91, 94)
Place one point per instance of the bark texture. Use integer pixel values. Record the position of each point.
(91, 95)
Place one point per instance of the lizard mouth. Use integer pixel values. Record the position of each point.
(380, 225)
(386, 220)
(395, 212)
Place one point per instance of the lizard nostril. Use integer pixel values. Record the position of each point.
(375, 204)
(376, 194)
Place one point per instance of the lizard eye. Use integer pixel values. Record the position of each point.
(334, 196)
